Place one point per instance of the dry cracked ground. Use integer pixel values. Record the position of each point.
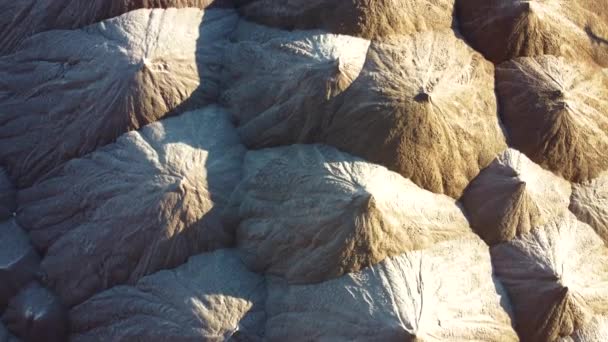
(304, 170)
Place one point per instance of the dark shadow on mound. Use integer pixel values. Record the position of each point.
(594, 37)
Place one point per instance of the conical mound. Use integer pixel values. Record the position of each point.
(213, 297)
(513, 195)
(278, 84)
(442, 293)
(556, 112)
(70, 92)
(146, 202)
(310, 213)
(556, 278)
(24, 18)
(363, 18)
(589, 203)
(503, 30)
(423, 106)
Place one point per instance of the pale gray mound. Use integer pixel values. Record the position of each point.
(369, 19)
(8, 202)
(443, 293)
(556, 112)
(19, 262)
(36, 314)
(211, 298)
(279, 83)
(503, 30)
(589, 203)
(556, 277)
(144, 203)
(65, 93)
(23, 18)
(512, 196)
(423, 106)
(311, 213)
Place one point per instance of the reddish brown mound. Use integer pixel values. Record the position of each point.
(364, 18)
(556, 112)
(23, 18)
(424, 106)
(502, 30)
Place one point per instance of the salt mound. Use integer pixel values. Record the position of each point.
(310, 213)
(23, 18)
(144, 203)
(556, 112)
(512, 196)
(503, 30)
(211, 298)
(556, 278)
(590, 204)
(279, 83)
(8, 203)
(64, 93)
(369, 19)
(423, 106)
(444, 293)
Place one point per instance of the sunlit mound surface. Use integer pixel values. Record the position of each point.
(363, 18)
(556, 112)
(145, 64)
(590, 204)
(309, 213)
(512, 196)
(556, 279)
(144, 203)
(390, 170)
(25, 18)
(424, 106)
(505, 29)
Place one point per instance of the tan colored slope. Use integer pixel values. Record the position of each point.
(590, 204)
(144, 203)
(513, 195)
(278, 84)
(24, 18)
(556, 112)
(364, 18)
(442, 293)
(557, 279)
(309, 213)
(211, 298)
(423, 106)
(65, 93)
(502, 30)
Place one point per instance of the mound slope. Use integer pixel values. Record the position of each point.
(503, 30)
(278, 84)
(65, 93)
(369, 19)
(24, 18)
(556, 278)
(589, 203)
(212, 298)
(445, 292)
(556, 112)
(513, 195)
(8, 202)
(144, 203)
(423, 106)
(310, 213)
